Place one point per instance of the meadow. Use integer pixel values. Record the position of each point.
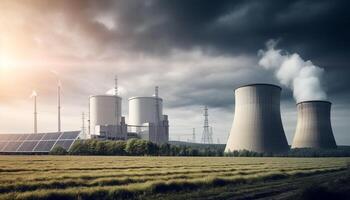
(121, 177)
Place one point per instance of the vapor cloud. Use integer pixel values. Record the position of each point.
(303, 77)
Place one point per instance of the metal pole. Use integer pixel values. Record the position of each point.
(35, 117)
(59, 105)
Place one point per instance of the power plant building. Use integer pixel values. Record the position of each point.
(314, 129)
(257, 124)
(147, 120)
(105, 117)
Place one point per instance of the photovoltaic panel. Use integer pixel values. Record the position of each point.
(12, 146)
(22, 137)
(69, 135)
(4, 137)
(51, 136)
(44, 146)
(9, 137)
(64, 143)
(27, 146)
(37, 136)
(2, 145)
(39, 142)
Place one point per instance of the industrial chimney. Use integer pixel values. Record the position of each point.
(314, 129)
(257, 124)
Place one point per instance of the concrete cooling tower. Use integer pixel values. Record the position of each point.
(257, 124)
(314, 128)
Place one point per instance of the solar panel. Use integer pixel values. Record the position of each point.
(44, 146)
(69, 135)
(8, 137)
(51, 136)
(21, 137)
(39, 142)
(3, 137)
(27, 146)
(64, 143)
(11, 146)
(37, 136)
(2, 145)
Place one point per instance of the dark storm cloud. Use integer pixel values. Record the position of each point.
(317, 30)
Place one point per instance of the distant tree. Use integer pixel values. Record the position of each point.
(193, 152)
(116, 147)
(164, 149)
(136, 147)
(101, 148)
(152, 149)
(80, 147)
(58, 150)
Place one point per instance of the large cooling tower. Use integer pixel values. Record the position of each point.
(257, 124)
(314, 129)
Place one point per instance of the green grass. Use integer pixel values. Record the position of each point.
(88, 177)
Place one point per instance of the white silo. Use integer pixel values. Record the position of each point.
(145, 110)
(147, 120)
(104, 110)
(314, 129)
(257, 124)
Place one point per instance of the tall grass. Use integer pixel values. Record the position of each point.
(66, 177)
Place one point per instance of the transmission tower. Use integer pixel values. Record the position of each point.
(206, 136)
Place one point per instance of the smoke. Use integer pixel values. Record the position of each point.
(34, 94)
(121, 91)
(303, 77)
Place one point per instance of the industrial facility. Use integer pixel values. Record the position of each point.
(257, 124)
(146, 119)
(106, 121)
(314, 129)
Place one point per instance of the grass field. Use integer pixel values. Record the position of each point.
(78, 177)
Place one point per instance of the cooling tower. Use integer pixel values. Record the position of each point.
(314, 129)
(257, 124)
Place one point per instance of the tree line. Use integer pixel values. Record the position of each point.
(136, 147)
(139, 147)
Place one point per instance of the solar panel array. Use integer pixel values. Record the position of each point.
(37, 143)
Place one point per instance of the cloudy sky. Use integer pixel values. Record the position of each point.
(196, 51)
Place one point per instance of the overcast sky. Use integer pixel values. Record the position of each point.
(196, 51)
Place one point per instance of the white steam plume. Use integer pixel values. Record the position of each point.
(34, 94)
(303, 77)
